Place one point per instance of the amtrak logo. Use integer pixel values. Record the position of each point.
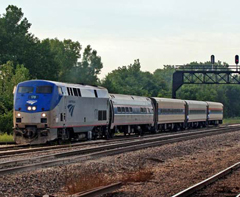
(70, 108)
(31, 102)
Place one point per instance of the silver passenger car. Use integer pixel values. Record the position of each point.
(196, 113)
(131, 113)
(170, 113)
(215, 113)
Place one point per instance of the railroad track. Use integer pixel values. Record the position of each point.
(101, 151)
(203, 184)
(99, 190)
(22, 149)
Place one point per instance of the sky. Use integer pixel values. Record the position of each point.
(157, 32)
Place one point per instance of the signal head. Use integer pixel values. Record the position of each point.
(236, 59)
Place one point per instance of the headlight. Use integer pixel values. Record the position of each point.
(44, 115)
(18, 115)
(29, 108)
(34, 108)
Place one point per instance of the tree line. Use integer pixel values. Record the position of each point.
(23, 56)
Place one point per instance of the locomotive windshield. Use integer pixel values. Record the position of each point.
(44, 89)
(25, 89)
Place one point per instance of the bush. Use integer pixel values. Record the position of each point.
(6, 138)
(6, 122)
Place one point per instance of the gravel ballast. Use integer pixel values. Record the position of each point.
(174, 167)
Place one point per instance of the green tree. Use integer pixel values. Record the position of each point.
(164, 76)
(87, 70)
(13, 34)
(21, 47)
(66, 54)
(131, 80)
(9, 77)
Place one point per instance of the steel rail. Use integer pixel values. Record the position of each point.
(13, 147)
(93, 153)
(44, 148)
(5, 153)
(99, 190)
(193, 189)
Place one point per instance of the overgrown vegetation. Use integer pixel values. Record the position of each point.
(4, 137)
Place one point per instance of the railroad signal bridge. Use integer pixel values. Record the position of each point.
(204, 74)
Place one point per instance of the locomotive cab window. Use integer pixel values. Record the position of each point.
(25, 89)
(44, 90)
(60, 90)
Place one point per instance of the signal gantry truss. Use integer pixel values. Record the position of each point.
(204, 75)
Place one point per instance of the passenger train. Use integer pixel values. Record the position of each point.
(47, 111)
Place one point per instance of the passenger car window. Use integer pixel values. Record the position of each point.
(119, 109)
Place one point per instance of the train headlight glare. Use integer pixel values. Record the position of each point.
(29, 108)
(34, 108)
(43, 115)
(18, 114)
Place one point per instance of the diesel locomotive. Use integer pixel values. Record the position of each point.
(47, 111)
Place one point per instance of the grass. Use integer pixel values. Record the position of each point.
(6, 138)
(235, 120)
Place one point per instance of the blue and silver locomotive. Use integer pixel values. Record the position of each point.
(46, 111)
